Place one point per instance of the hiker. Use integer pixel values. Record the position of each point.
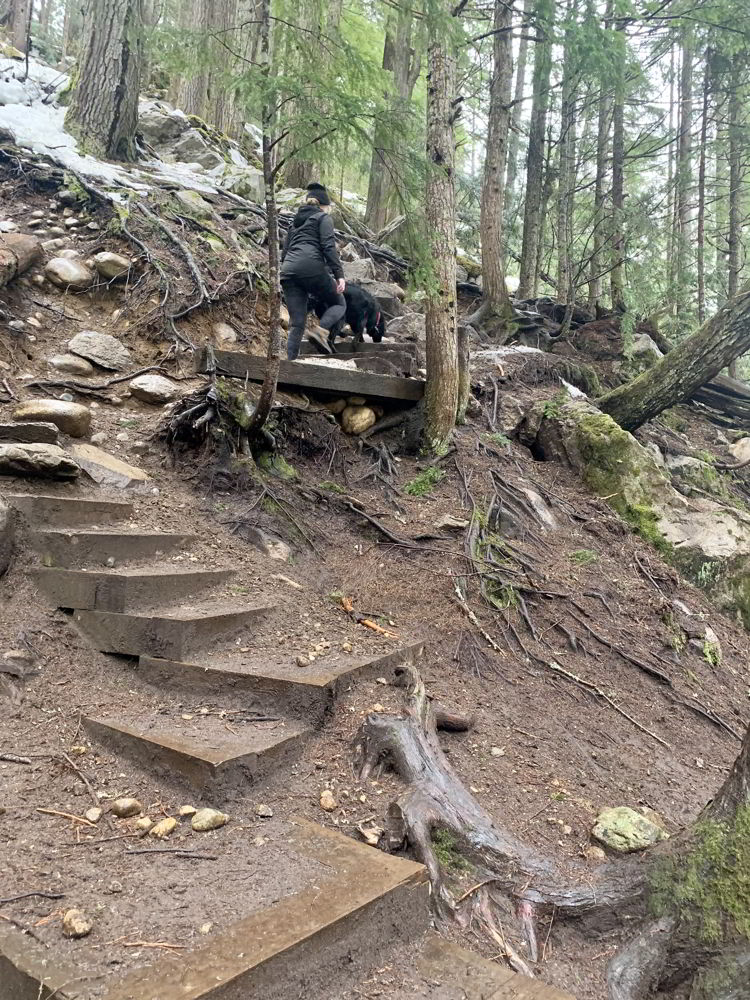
(311, 269)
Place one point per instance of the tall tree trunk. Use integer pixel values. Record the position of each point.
(735, 174)
(273, 356)
(686, 368)
(604, 116)
(567, 171)
(495, 311)
(20, 15)
(671, 198)
(685, 169)
(701, 250)
(617, 287)
(442, 392)
(721, 195)
(517, 113)
(544, 17)
(103, 111)
(548, 187)
(402, 61)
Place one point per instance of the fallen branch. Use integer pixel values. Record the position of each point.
(64, 815)
(177, 852)
(12, 758)
(28, 895)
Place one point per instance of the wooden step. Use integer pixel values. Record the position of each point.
(273, 679)
(347, 348)
(124, 589)
(67, 512)
(339, 381)
(68, 547)
(174, 635)
(208, 754)
(308, 943)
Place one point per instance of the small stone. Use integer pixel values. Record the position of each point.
(38, 214)
(38, 279)
(94, 814)
(99, 438)
(153, 389)
(224, 333)
(595, 854)
(356, 401)
(188, 810)
(8, 227)
(205, 928)
(625, 830)
(71, 222)
(144, 824)
(106, 470)
(101, 349)
(71, 254)
(302, 661)
(498, 751)
(357, 419)
(371, 833)
(125, 808)
(327, 801)
(112, 266)
(115, 887)
(260, 841)
(33, 321)
(71, 418)
(208, 819)
(68, 273)
(567, 830)
(49, 246)
(70, 364)
(163, 828)
(93, 226)
(347, 647)
(76, 924)
(265, 812)
(123, 436)
(45, 460)
(377, 707)
(17, 325)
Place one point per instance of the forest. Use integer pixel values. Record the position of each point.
(548, 199)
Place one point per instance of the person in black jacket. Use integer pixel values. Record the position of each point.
(310, 268)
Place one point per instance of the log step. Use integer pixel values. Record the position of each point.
(175, 635)
(125, 589)
(340, 381)
(273, 679)
(67, 512)
(207, 754)
(67, 548)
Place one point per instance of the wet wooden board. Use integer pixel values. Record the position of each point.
(347, 347)
(341, 381)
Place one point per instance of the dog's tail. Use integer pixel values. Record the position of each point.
(379, 332)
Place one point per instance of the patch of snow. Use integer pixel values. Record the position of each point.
(573, 391)
(328, 362)
(495, 353)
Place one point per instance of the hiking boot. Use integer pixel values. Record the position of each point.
(319, 338)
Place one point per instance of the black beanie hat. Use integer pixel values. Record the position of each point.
(318, 192)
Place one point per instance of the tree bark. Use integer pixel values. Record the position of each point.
(701, 249)
(566, 176)
(103, 112)
(544, 16)
(685, 170)
(402, 60)
(20, 15)
(515, 127)
(604, 113)
(496, 311)
(273, 356)
(685, 369)
(617, 288)
(442, 391)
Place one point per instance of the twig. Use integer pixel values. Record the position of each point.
(94, 797)
(381, 527)
(475, 621)
(76, 819)
(178, 852)
(645, 667)
(12, 758)
(28, 895)
(8, 389)
(150, 944)
(474, 888)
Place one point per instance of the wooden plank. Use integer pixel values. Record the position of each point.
(345, 348)
(340, 381)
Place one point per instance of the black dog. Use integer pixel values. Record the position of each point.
(362, 315)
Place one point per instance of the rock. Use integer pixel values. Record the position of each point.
(106, 470)
(689, 471)
(410, 327)
(208, 819)
(8, 227)
(49, 246)
(224, 334)
(153, 389)
(115, 886)
(34, 322)
(357, 401)
(263, 811)
(71, 418)
(388, 296)
(625, 830)
(194, 203)
(451, 522)
(270, 545)
(595, 854)
(46, 460)
(125, 808)
(144, 824)
(159, 125)
(101, 437)
(327, 801)
(163, 828)
(357, 419)
(111, 266)
(31, 433)
(205, 928)
(69, 274)
(102, 349)
(740, 450)
(302, 661)
(247, 182)
(371, 833)
(75, 924)
(71, 365)
(94, 814)
(122, 436)
(188, 810)
(72, 222)
(497, 752)
(7, 537)
(335, 406)
(359, 270)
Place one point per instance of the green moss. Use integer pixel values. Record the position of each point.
(712, 653)
(583, 557)
(708, 888)
(677, 639)
(275, 464)
(445, 845)
(331, 487)
(497, 438)
(424, 483)
(674, 420)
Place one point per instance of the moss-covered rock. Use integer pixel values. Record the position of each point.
(275, 464)
(623, 829)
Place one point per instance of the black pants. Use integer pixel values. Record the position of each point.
(298, 290)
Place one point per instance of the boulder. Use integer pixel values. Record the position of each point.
(111, 266)
(102, 349)
(625, 830)
(687, 472)
(740, 450)
(159, 125)
(359, 270)
(71, 365)
(106, 470)
(31, 433)
(409, 327)
(71, 418)
(66, 273)
(7, 537)
(247, 182)
(191, 147)
(388, 296)
(45, 460)
(153, 389)
(270, 545)
(357, 419)
(194, 203)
